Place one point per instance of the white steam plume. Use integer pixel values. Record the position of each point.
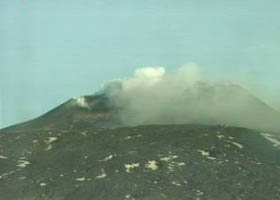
(154, 96)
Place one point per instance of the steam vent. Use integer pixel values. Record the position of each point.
(92, 148)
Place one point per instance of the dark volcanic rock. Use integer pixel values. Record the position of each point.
(94, 111)
(145, 162)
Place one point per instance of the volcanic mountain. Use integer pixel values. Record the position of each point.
(93, 111)
(201, 104)
(85, 149)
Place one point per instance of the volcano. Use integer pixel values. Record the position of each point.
(201, 104)
(83, 149)
(93, 111)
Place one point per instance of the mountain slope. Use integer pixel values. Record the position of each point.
(91, 148)
(201, 104)
(92, 110)
(144, 162)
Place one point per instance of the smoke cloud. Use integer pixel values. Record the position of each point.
(154, 96)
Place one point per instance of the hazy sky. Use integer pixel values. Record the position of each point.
(53, 50)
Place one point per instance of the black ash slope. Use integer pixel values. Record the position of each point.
(145, 162)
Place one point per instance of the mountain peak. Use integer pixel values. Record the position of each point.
(202, 103)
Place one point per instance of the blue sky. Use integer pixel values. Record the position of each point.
(53, 50)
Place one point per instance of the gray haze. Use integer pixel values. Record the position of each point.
(154, 96)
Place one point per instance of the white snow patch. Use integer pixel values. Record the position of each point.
(40, 179)
(128, 167)
(81, 179)
(237, 144)
(84, 133)
(152, 164)
(168, 158)
(171, 168)
(199, 193)
(49, 147)
(7, 174)
(102, 175)
(3, 157)
(256, 163)
(128, 196)
(127, 138)
(51, 139)
(220, 136)
(176, 183)
(110, 157)
(211, 158)
(270, 138)
(180, 164)
(172, 165)
(206, 154)
(23, 163)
